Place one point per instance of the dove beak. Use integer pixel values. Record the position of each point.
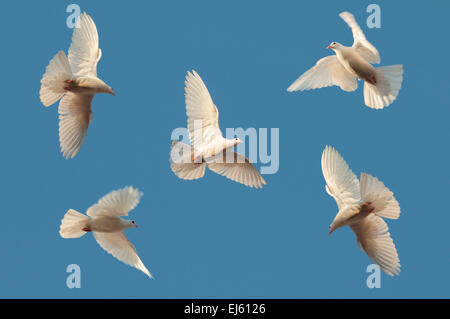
(329, 47)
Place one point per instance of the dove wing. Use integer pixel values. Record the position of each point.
(74, 117)
(373, 236)
(237, 168)
(116, 203)
(118, 245)
(328, 71)
(84, 52)
(364, 48)
(202, 114)
(342, 183)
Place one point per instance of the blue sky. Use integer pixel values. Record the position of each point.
(214, 238)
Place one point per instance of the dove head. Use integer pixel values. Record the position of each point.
(107, 89)
(338, 222)
(334, 46)
(237, 141)
(83, 83)
(102, 87)
(111, 91)
(132, 223)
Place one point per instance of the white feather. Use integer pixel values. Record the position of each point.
(328, 71)
(373, 236)
(84, 52)
(379, 196)
(342, 183)
(364, 48)
(388, 83)
(53, 81)
(74, 118)
(116, 203)
(118, 245)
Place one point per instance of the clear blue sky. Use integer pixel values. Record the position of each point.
(213, 237)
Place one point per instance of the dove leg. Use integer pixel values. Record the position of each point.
(372, 79)
(69, 86)
(86, 229)
(367, 206)
(196, 160)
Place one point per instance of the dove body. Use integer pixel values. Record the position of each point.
(87, 85)
(107, 224)
(353, 62)
(350, 215)
(216, 147)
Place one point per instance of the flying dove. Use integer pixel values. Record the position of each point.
(381, 85)
(74, 81)
(362, 206)
(209, 147)
(104, 221)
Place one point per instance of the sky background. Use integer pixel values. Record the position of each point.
(214, 238)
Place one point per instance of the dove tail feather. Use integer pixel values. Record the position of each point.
(181, 162)
(388, 83)
(53, 81)
(381, 199)
(72, 224)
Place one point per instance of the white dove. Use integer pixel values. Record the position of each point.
(103, 219)
(74, 80)
(209, 147)
(362, 204)
(381, 85)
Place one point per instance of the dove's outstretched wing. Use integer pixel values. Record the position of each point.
(328, 71)
(342, 183)
(364, 48)
(120, 247)
(237, 168)
(373, 236)
(84, 52)
(116, 203)
(203, 116)
(74, 117)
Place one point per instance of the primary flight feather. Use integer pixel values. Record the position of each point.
(208, 146)
(381, 85)
(74, 81)
(104, 220)
(362, 206)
